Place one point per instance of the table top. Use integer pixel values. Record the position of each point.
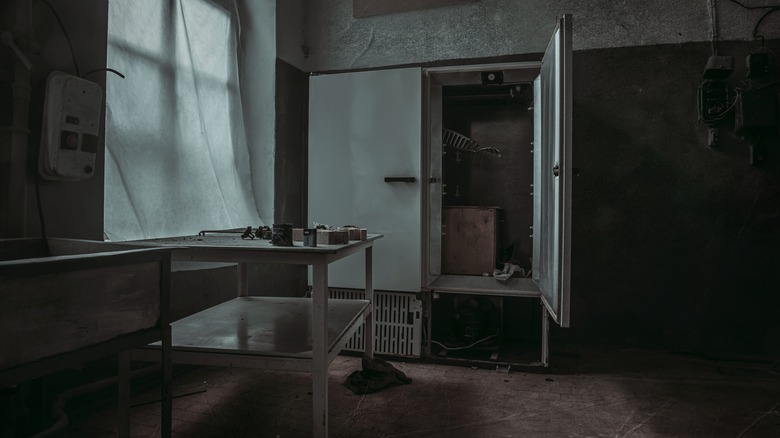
(263, 326)
(235, 242)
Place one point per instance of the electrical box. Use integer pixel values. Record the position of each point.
(71, 124)
(714, 97)
(718, 67)
(755, 111)
(757, 64)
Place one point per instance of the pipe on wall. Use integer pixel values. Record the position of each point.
(20, 134)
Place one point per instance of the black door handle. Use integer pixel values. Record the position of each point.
(404, 179)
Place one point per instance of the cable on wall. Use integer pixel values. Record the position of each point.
(770, 9)
(714, 30)
(103, 69)
(38, 202)
(738, 3)
(758, 23)
(65, 33)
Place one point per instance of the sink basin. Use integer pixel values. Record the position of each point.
(66, 301)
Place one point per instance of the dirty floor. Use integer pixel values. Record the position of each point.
(585, 393)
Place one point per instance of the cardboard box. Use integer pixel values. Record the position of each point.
(356, 233)
(468, 241)
(332, 237)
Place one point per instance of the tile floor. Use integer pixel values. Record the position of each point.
(585, 393)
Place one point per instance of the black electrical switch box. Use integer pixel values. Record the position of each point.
(713, 101)
(757, 65)
(718, 67)
(755, 112)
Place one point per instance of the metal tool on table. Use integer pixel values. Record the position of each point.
(246, 233)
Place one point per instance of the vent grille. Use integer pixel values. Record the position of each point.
(397, 322)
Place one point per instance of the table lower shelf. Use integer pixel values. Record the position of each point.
(263, 332)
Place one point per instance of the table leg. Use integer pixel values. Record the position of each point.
(243, 279)
(166, 394)
(545, 336)
(319, 334)
(369, 328)
(124, 394)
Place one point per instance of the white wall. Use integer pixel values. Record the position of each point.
(258, 43)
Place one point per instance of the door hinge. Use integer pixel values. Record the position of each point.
(557, 171)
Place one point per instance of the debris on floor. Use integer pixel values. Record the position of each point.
(503, 369)
(376, 374)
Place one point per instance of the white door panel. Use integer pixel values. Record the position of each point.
(553, 173)
(364, 127)
(435, 190)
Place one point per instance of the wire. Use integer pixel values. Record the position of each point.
(753, 7)
(724, 113)
(65, 33)
(758, 23)
(714, 23)
(103, 69)
(467, 346)
(770, 84)
(771, 9)
(40, 211)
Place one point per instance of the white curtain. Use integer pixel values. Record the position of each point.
(177, 160)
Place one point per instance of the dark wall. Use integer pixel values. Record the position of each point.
(291, 104)
(71, 209)
(675, 244)
(292, 100)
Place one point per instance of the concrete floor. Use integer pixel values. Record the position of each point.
(589, 392)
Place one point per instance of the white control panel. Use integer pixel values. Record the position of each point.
(71, 123)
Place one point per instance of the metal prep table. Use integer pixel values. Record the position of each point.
(296, 334)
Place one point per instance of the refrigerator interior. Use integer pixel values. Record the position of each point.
(497, 117)
(494, 170)
(482, 329)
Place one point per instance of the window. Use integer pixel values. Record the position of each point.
(176, 154)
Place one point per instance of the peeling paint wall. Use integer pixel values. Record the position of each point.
(291, 32)
(674, 244)
(489, 28)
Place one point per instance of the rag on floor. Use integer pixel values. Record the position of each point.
(376, 374)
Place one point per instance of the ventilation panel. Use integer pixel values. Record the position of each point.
(397, 322)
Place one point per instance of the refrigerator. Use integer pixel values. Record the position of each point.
(390, 149)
